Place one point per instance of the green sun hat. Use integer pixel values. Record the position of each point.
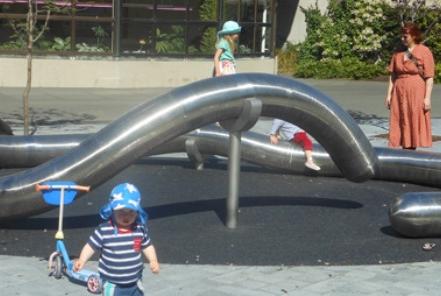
(230, 27)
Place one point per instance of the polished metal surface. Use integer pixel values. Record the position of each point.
(212, 140)
(5, 129)
(417, 214)
(251, 111)
(418, 167)
(409, 214)
(30, 151)
(152, 124)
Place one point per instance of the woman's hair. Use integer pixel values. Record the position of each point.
(414, 31)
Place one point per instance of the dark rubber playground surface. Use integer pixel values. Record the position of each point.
(283, 219)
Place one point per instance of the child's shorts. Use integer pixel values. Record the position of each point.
(110, 289)
(227, 68)
(302, 139)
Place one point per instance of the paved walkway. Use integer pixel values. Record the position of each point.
(28, 275)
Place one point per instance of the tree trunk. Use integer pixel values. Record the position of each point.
(27, 90)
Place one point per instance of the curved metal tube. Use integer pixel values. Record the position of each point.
(5, 129)
(393, 164)
(30, 151)
(413, 215)
(151, 124)
(417, 214)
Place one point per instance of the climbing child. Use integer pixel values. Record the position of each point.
(288, 131)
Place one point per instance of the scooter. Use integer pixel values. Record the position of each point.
(62, 193)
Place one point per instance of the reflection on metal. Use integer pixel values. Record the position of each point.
(156, 122)
(417, 214)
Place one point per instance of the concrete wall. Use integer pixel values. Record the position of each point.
(109, 73)
(298, 28)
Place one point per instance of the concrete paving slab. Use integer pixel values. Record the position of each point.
(30, 278)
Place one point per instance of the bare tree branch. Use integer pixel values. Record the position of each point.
(46, 22)
(430, 28)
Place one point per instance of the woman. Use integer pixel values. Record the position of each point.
(409, 92)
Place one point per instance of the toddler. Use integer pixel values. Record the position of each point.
(120, 241)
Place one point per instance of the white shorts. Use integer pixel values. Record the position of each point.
(227, 68)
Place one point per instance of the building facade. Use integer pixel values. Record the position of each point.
(297, 31)
(139, 28)
(132, 43)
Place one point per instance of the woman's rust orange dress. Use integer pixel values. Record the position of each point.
(409, 125)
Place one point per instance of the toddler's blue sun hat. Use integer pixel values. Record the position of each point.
(124, 196)
(230, 27)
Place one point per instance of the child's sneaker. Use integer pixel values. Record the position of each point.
(311, 165)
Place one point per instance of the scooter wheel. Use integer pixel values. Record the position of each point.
(94, 284)
(56, 266)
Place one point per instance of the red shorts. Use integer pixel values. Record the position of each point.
(303, 140)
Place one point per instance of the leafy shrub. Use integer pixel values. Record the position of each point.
(348, 67)
(84, 47)
(170, 42)
(287, 59)
(60, 44)
(356, 38)
(438, 73)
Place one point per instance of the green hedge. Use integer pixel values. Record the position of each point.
(355, 39)
(349, 67)
(438, 73)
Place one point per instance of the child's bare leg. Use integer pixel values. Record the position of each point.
(310, 161)
(302, 139)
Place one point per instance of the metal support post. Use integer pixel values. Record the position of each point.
(233, 179)
(194, 154)
(248, 117)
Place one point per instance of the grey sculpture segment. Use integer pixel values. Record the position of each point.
(149, 125)
(393, 165)
(250, 113)
(417, 214)
(233, 180)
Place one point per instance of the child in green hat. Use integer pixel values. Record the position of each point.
(224, 62)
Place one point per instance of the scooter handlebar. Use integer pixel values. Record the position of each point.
(40, 187)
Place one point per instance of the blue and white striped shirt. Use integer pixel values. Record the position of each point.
(121, 260)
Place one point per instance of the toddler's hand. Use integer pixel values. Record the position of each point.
(78, 265)
(154, 266)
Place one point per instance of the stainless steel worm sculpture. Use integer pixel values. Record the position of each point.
(413, 214)
(149, 125)
(392, 164)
